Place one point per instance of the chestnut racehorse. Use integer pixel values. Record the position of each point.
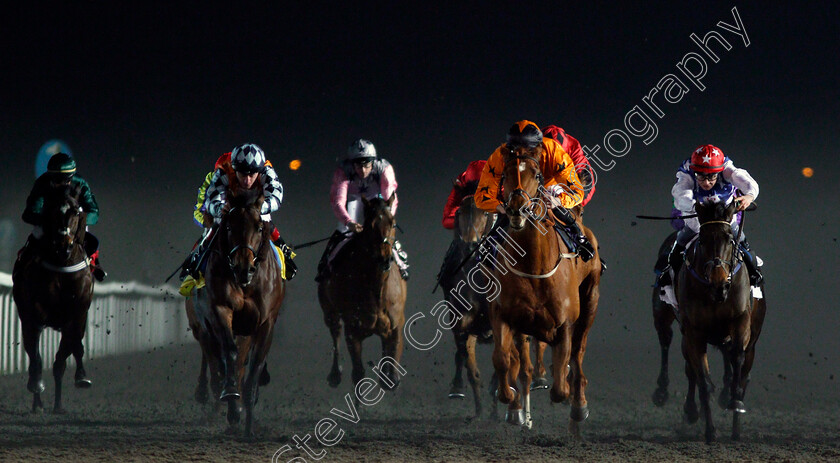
(245, 290)
(365, 293)
(54, 289)
(471, 224)
(546, 292)
(716, 307)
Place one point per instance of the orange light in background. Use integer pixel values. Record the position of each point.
(807, 172)
(294, 165)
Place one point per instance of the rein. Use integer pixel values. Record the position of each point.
(733, 264)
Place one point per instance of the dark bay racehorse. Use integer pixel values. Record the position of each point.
(716, 307)
(245, 290)
(365, 293)
(546, 292)
(471, 223)
(54, 289)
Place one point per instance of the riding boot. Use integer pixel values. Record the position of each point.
(323, 264)
(291, 267)
(98, 272)
(751, 262)
(192, 262)
(675, 260)
(584, 247)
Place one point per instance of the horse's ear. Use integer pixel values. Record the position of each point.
(391, 200)
(729, 211)
(365, 202)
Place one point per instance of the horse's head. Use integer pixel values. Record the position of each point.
(63, 221)
(471, 223)
(716, 250)
(380, 227)
(244, 234)
(521, 182)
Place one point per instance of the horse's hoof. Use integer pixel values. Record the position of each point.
(736, 406)
(540, 383)
(201, 395)
(35, 387)
(724, 399)
(660, 397)
(265, 378)
(691, 414)
(395, 383)
(83, 383)
(228, 394)
(579, 413)
(456, 395)
(515, 417)
(710, 436)
(334, 379)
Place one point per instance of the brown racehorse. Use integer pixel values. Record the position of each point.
(54, 289)
(716, 307)
(245, 290)
(365, 293)
(545, 293)
(471, 224)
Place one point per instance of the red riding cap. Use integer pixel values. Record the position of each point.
(707, 159)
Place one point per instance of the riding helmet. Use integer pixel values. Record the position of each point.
(359, 149)
(61, 164)
(524, 133)
(247, 159)
(707, 159)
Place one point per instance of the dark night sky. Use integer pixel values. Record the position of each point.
(148, 96)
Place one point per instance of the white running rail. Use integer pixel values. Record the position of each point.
(123, 318)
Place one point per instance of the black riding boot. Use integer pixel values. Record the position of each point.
(323, 267)
(584, 247)
(751, 262)
(675, 260)
(291, 267)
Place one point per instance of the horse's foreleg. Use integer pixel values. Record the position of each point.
(502, 346)
(333, 321)
(580, 335)
(560, 355)
(696, 349)
(391, 347)
(473, 374)
(663, 318)
(35, 385)
(540, 382)
(229, 353)
(80, 380)
(515, 413)
(261, 345)
(456, 391)
(60, 365)
(201, 391)
(690, 406)
(526, 373)
(354, 346)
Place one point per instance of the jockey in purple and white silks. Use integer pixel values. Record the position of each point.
(360, 175)
(709, 176)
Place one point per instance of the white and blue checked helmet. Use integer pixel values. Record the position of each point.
(248, 158)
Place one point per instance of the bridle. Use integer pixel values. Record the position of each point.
(732, 266)
(256, 253)
(519, 191)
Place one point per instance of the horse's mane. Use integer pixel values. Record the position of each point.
(708, 211)
(246, 198)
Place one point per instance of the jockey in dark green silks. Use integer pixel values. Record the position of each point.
(61, 172)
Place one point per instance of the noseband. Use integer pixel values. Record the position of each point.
(519, 191)
(256, 260)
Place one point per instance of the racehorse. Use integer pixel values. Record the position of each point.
(245, 290)
(716, 307)
(54, 289)
(471, 224)
(365, 293)
(546, 292)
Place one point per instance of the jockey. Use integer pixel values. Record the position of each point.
(360, 174)
(61, 170)
(561, 181)
(582, 167)
(459, 189)
(246, 167)
(709, 176)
